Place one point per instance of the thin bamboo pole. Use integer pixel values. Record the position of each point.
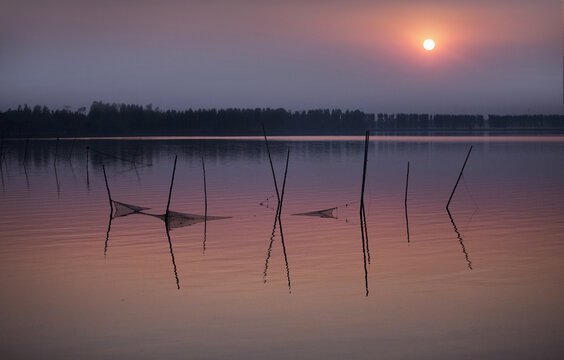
(205, 205)
(405, 201)
(170, 191)
(364, 235)
(271, 166)
(459, 176)
(107, 188)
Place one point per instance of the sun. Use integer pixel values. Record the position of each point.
(429, 44)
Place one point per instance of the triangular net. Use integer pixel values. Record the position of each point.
(178, 219)
(123, 209)
(326, 213)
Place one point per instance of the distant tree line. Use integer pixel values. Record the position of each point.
(103, 119)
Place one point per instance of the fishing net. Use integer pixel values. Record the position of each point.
(177, 219)
(123, 209)
(327, 213)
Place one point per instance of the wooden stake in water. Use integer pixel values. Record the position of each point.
(107, 188)
(205, 204)
(284, 183)
(459, 176)
(405, 201)
(271, 166)
(363, 214)
(170, 191)
(366, 140)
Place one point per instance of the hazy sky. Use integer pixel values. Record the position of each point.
(492, 56)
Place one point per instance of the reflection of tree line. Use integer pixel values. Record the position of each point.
(467, 122)
(134, 120)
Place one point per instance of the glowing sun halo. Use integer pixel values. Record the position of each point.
(429, 44)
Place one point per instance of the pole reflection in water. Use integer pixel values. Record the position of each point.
(268, 252)
(166, 221)
(108, 232)
(118, 210)
(172, 255)
(280, 222)
(278, 217)
(172, 219)
(26, 176)
(364, 247)
(2, 177)
(87, 172)
(459, 236)
(57, 180)
(278, 212)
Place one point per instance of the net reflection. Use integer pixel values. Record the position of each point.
(171, 219)
(118, 210)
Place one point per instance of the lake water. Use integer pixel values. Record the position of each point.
(486, 282)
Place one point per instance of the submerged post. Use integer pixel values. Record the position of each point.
(171, 183)
(107, 188)
(459, 176)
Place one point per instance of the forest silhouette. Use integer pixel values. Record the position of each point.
(105, 119)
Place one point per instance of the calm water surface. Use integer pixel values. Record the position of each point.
(487, 282)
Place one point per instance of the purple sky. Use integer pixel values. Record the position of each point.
(492, 56)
